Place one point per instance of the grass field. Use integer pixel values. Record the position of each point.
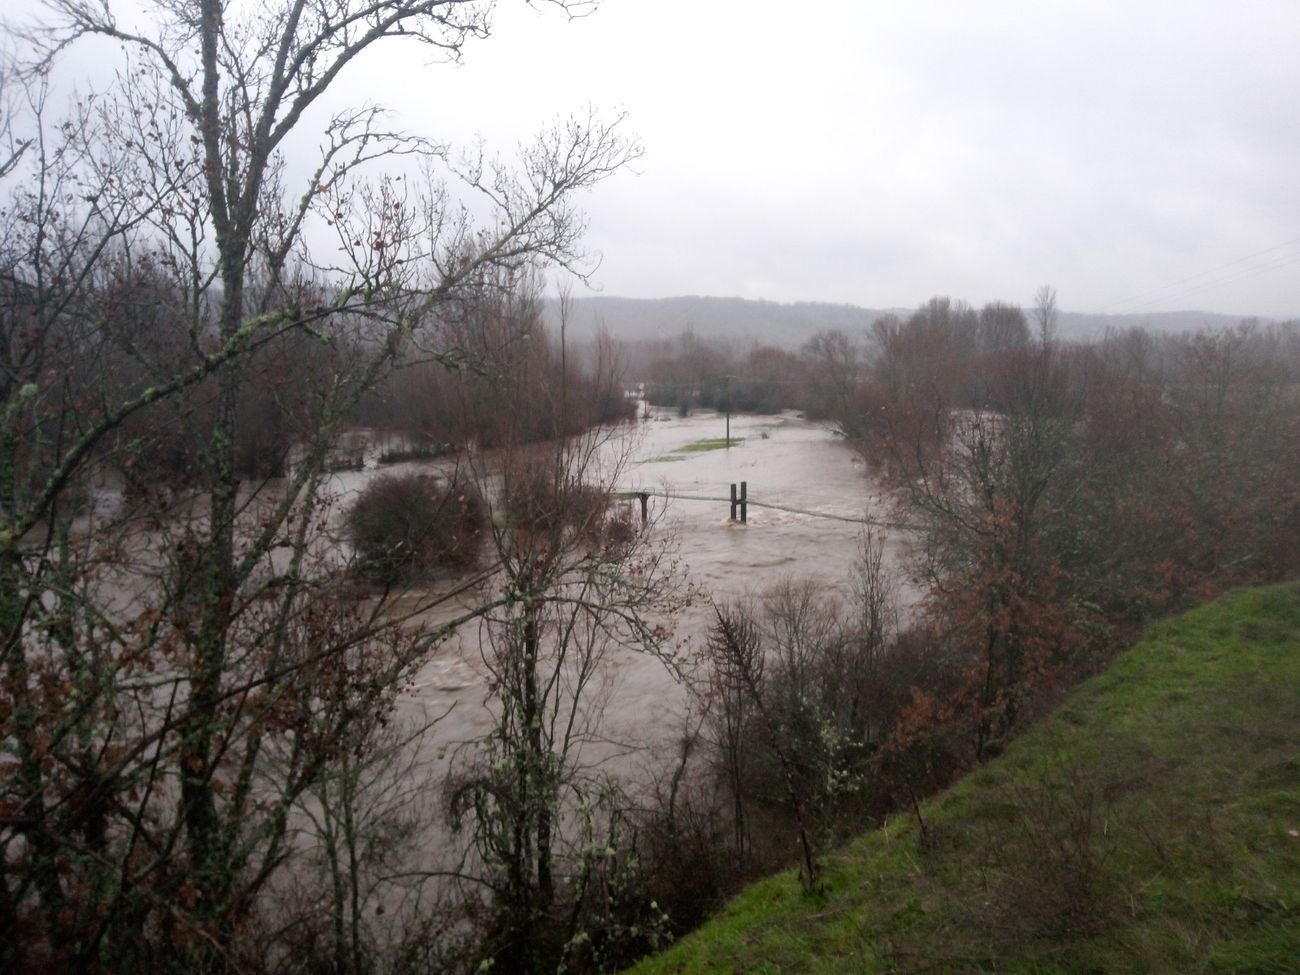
(1152, 824)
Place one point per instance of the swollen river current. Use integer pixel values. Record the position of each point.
(785, 461)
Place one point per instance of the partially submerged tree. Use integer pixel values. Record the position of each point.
(581, 581)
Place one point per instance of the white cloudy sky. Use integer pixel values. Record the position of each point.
(1138, 155)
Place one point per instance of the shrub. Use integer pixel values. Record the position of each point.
(540, 501)
(405, 527)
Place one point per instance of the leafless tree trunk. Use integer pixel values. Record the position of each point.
(578, 582)
(736, 649)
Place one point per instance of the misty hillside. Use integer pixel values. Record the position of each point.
(790, 325)
(738, 319)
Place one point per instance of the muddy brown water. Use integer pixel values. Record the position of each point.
(785, 460)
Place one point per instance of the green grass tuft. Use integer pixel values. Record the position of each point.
(697, 447)
(1151, 825)
(717, 443)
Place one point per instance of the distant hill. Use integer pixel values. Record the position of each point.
(744, 321)
(738, 320)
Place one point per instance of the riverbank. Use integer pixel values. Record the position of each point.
(1152, 824)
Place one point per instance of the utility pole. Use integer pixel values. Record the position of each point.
(566, 307)
(727, 381)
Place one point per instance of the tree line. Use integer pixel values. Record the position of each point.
(1063, 495)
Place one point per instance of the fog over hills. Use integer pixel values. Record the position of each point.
(742, 320)
(728, 319)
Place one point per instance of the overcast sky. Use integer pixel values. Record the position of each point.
(1140, 156)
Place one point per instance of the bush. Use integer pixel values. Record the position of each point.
(540, 501)
(405, 527)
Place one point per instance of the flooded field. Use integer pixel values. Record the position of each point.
(810, 497)
(785, 461)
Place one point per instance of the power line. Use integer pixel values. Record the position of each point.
(1159, 294)
(1242, 275)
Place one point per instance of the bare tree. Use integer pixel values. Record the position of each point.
(580, 580)
(740, 664)
(834, 369)
(176, 680)
(1045, 314)
(1002, 327)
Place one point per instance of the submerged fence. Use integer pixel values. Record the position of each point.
(740, 502)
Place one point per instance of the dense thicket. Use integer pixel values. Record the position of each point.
(513, 384)
(690, 373)
(1068, 493)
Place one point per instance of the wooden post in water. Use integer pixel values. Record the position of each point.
(738, 501)
(645, 507)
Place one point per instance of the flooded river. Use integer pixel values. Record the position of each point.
(785, 460)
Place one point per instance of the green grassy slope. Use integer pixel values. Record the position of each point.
(1151, 825)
